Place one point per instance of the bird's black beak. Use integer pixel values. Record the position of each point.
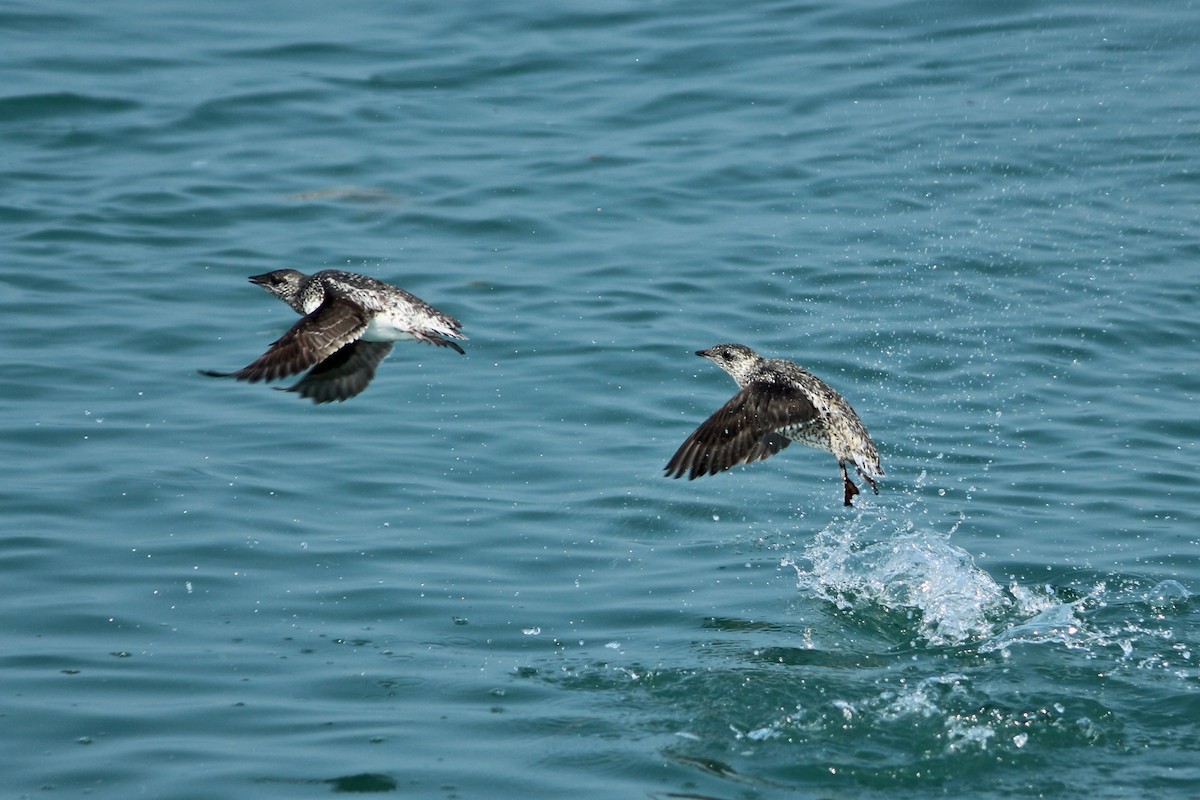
(260, 280)
(702, 353)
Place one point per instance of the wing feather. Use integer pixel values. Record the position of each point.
(743, 430)
(344, 374)
(316, 337)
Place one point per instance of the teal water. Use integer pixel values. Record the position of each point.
(978, 222)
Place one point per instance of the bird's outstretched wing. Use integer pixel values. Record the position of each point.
(316, 337)
(745, 429)
(344, 374)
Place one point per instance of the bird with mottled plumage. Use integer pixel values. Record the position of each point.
(778, 402)
(350, 324)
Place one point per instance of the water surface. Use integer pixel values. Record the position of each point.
(978, 223)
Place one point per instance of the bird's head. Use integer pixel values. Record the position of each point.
(736, 359)
(283, 283)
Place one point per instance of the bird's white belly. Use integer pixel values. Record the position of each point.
(380, 330)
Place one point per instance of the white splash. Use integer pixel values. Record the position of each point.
(917, 573)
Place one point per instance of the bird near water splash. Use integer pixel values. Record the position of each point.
(778, 402)
(350, 324)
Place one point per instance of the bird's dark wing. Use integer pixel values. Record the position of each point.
(329, 328)
(344, 374)
(743, 430)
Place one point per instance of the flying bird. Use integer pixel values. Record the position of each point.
(349, 325)
(778, 402)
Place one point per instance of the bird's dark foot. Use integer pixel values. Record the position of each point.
(870, 482)
(851, 490)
